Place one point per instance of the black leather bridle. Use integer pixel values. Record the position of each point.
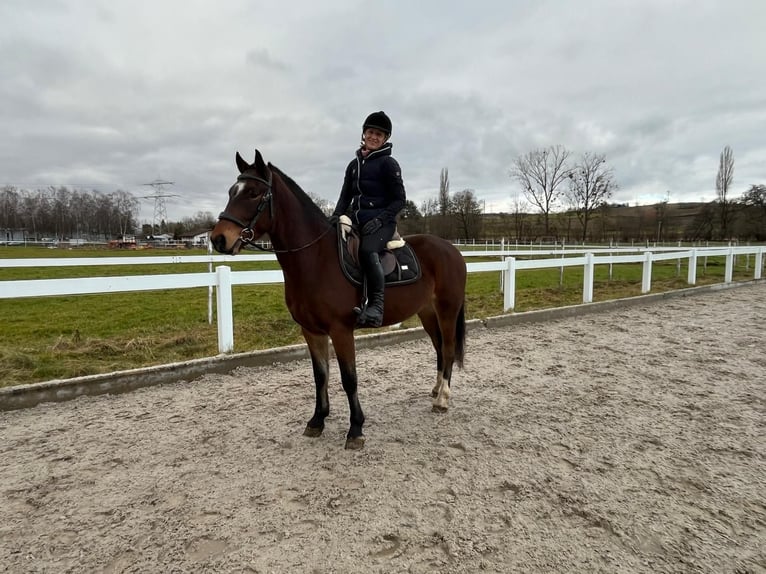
(247, 235)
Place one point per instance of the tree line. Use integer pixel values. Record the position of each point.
(63, 213)
(559, 197)
(554, 197)
(548, 180)
(60, 212)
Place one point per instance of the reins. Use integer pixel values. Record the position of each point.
(247, 235)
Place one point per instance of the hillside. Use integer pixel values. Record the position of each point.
(669, 222)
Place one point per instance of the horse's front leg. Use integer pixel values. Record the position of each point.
(343, 343)
(319, 349)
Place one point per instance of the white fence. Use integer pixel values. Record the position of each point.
(222, 278)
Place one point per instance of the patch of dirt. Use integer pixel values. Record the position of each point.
(628, 441)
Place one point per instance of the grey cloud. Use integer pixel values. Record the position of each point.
(117, 96)
(262, 58)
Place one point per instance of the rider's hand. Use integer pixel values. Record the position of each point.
(371, 226)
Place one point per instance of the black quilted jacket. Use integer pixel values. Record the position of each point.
(372, 187)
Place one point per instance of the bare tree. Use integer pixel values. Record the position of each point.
(126, 208)
(660, 211)
(325, 205)
(444, 200)
(591, 183)
(430, 209)
(519, 212)
(410, 219)
(61, 212)
(756, 197)
(466, 210)
(722, 184)
(703, 225)
(441, 223)
(198, 222)
(10, 199)
(540, 174)
(754, 203)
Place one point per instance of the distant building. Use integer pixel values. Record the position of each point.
(198, 238)
(163, 239)
(10, 236)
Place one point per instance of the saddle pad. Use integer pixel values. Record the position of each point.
(402, 262)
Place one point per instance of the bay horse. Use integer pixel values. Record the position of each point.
(320, 298)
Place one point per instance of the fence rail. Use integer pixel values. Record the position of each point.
(222, 278)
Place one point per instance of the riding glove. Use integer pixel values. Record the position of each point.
(371, 226)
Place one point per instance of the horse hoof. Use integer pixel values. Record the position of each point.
(354, 443)
(313, 432)
(439, 409)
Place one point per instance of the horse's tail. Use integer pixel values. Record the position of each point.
(460, 336)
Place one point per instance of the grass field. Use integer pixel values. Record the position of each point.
(59, 337)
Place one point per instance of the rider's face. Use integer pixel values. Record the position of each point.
(374, 139)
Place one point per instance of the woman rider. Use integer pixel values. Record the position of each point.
(374, 191)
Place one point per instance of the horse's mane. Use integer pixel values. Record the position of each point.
(307, 203)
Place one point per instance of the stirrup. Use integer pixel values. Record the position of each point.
(366, 321)
(361, 314)
(362, 307)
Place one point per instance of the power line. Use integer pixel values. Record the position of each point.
(159, 196)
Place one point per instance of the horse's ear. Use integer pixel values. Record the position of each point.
(242, 165)
(260, 165)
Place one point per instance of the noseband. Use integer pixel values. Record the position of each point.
(247, 235)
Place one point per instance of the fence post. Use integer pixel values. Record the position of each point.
(610, 253)
(729, 266)
(758, 263)
(502, 275)
(587, 279)
(646, 280)
(691, 276)
(561, 270)
(224, 309)
(210, 288)
(509, 293)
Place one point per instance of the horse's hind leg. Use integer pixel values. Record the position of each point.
(441, 391)
(319, 349)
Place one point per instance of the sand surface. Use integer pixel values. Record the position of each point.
(633, 440)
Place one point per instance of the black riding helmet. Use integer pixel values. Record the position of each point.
(379, 121)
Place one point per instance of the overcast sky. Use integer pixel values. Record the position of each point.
(112, 95)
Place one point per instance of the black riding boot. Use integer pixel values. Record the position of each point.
(372, 316)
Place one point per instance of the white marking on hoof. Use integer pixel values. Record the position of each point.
(437, 386)
(441, 400)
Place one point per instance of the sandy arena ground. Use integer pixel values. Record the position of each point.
(632, 440)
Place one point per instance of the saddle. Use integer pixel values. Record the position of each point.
(400, 264)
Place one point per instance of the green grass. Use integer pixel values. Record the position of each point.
(59, 337)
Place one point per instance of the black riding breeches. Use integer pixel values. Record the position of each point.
(374, 243)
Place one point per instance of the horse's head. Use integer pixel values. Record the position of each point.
(249, 212)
